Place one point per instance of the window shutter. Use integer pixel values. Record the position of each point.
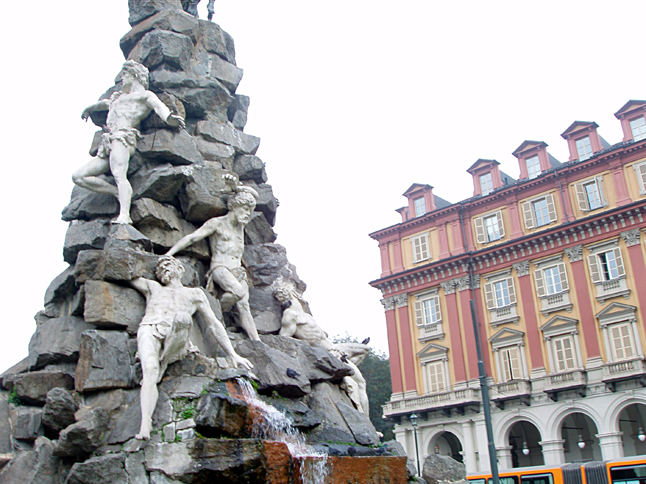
(551, 209)
(581, 197)
(540, 283)
(512, 291)
(501, 225)
(620, 262)
(481, 235)
(516, 367)
(415, 246)
(595, 273)
(436, 307)
(563, 275)
(602, 196)
(419, 313)
(528, 215)
(641, 177)
(491, 301)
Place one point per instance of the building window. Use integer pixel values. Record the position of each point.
(584, 148)
(564, 355)
(427, 310)
(435, 376)
(538, 212)
(420, 248)
(554, 278)
(420, 206)
(622, 341)
(590, 195)
(500, 293)
(552, 286)
(486, 183)
(533, 167)
(511, 367)
(606, 266)
(638, 128)
(640, 170)
(564, 351)
(489, 228)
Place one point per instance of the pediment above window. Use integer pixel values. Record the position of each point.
(559, 325)
(615, 312)
(506, 337)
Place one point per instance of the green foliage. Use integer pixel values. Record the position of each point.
(13, 398)
(375, 368)
(254, 384)
(188, 412)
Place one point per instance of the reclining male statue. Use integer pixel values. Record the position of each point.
(163, 336)
(126, 109)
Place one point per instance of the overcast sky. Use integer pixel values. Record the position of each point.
(354, 100)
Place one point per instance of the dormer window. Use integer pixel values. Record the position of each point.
(420, 206)
(533, 167)
(486, 183)
(584, 148)
(638, 128)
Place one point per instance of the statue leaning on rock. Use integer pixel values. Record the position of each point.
(163, 336)
(126, 109)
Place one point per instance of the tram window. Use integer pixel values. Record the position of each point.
(506, 480)
(537, 479)
(477, 481)
(628, 474)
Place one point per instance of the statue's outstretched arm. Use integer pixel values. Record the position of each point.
(102, 105)
(202, 233)
(142, 285)
(163, 112)
(214, 325)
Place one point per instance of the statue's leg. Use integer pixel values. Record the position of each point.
(246, 319)
(86, 176)
(148, 349)
(119, 158)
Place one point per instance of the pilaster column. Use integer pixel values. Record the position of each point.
(444, 242)
(398, 262)
(482, 444)
(553, 452)
(463, 287)
(408, 355)
(611, 445)
(504, 457)
(514, 217)
(581, 292)
(528, 297)
(385, 259)
(621, 188)
(458, 243)
(638, 268)
(469, 447)
(454, 331)
(396, 376)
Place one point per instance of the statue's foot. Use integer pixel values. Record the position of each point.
(122, 219)
(143, 436)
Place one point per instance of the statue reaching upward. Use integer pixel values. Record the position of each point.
(126, 109)
(226, 239)
(163, 334)
(190, 6)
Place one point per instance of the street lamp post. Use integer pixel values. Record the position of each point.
(413, 422)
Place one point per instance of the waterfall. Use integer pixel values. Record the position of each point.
(272, 424)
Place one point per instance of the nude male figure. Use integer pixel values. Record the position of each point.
(225, 235)
(163, 334)
(126, 109)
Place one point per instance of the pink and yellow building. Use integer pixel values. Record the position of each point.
(555, 264)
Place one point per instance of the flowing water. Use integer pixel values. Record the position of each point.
(274, 425)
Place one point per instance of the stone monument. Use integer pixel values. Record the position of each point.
(136, 371)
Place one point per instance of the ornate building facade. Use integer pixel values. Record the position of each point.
(553, 263)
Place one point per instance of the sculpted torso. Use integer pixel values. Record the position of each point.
(127, 110)
(167, 303)
(226, 244)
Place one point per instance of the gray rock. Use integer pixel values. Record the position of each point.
(270, 366)
(124, 411)
(85, 436)
(173, 20)
(61, 287)
(173, 459)
(266, 202)
(265, 309)
(163, 48)
(114, 264)
(37, 466)
(149, 212)
(109, 305)
(32, 387)
(225, 132)
(296, 411)
(135, 468)
(392, 447)
(265, 263)
(219, 152)
(104, 361)
(20, 367)
(142, 9)
(204, 194)
(217, 413)
(125, 236)
(161, 182)
(82, 235)
(26, 422)
(360, 426)
(438, 468)
(154, 122)
(56, 341)
(159, 478)
(103, 469)
(258, 230)
(6, 446)
(87, 205)
(216, 40)
(249, 167)
(237, 112)
(202, 102)
(224, 71)
(59, 409)
(163, 240)
(169, 145)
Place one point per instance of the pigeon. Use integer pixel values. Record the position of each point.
(366, 341)
(292, 373)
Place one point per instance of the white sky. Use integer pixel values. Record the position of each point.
(353, 100)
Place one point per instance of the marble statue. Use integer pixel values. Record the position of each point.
(296, 323)
(226, 239)
(163, 334)
(190, 6)
(126, 109)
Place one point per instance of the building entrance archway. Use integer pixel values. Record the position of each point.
(632, 424)
(580, 442)
(446, 443)
(524, 440)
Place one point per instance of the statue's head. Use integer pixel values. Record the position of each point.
(136, 70)
(283, 293)
(241, 205)
(167, 268)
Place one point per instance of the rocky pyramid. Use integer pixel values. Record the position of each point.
(70, 411)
